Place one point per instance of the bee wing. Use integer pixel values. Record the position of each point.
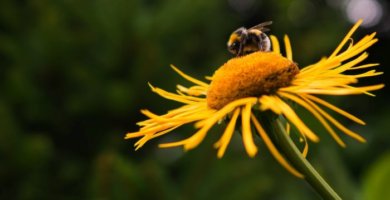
(262, 27)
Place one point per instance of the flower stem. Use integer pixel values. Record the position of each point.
(295, 157)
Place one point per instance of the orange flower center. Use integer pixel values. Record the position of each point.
(250, 76)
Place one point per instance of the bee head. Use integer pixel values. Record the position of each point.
(234, 46)
(235, 40)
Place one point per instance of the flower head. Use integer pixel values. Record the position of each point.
(264, 81)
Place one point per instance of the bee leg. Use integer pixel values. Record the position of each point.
(240, 51)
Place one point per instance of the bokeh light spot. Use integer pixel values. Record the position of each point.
(369, 10)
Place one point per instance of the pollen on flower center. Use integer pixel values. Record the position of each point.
(250, 76)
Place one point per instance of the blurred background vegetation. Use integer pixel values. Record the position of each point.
(74, 74)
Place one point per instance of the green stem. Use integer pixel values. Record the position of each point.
(293, 154)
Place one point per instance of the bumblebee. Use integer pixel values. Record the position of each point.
(245, 41)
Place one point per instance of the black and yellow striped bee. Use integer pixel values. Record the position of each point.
(245, 41)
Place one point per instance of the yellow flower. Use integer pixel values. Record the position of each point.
(264, 81)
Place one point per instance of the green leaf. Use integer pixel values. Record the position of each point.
(377, 179)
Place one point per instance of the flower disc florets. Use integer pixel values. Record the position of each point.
(253, 75)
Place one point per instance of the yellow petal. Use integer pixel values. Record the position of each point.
(316, 115)
(336, 109)
(346, 38)
(334, 121)
(274, 151)
(224, 141)
(275, 44)
(288, 47)
(278, 106)
(247, 137)
(189, 78)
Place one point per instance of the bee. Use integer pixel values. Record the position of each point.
(245, 41)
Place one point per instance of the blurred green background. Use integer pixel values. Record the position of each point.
(74, 74)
